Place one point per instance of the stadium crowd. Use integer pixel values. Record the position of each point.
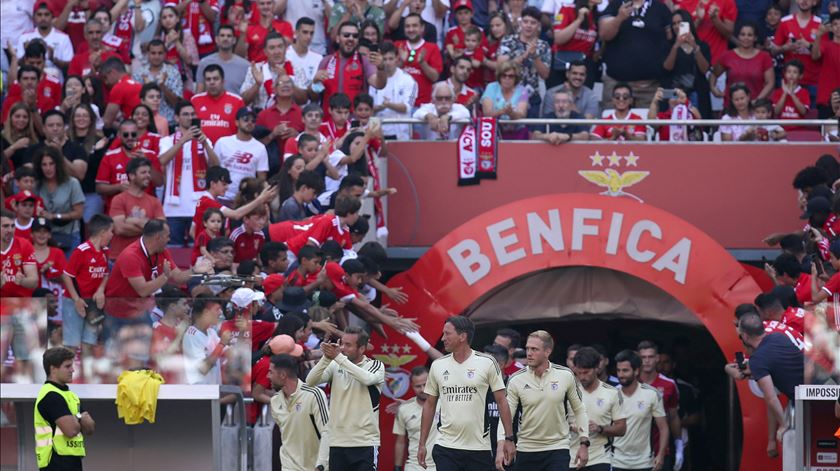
(241, 139)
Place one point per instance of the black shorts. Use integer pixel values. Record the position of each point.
(597, 467)
(358, 458)
(552, 460)
(627, 469)
(450, 459)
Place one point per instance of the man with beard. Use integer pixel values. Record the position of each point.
(584, 99)
(420, 59)
(133, 208)
(460, 381)
(640, 404)
(460, 72)
(112, 175)
(540, 394)
(603, 407)
(407, 423)
(346, 71)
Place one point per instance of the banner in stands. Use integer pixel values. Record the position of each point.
(737, 194)
(566, 230)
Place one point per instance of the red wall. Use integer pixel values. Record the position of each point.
(735, 193)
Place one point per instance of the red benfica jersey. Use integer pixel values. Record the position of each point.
(80, 64)
(331, 131)
(112, 170)
(126, 94)
(149, 141)
(246, 245)
(259, 375)
(324, 229)
(670, 400)
(48, 95)
(790, 31)
(299, 280)
(794, 317)
(51, 278)
(795, 337)
(19, 254)
(803, 288)
(204, 203)
(431, 55)
(87, 267)
(122, 300)
(256, 33)
(283, 231)
(217, 114)
(24, 232)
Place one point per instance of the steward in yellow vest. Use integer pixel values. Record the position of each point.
(60, 424)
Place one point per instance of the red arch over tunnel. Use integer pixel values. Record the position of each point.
(578, 230)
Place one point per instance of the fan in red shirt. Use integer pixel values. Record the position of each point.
(771, 308)
(649, 354)
(791, 101)
(827, 50)
(25, 204)
(248, 238)
(455, 37)
(111, 177)
(711, 17)
(132, 208)
(346, 71)
(794, 37)
(831, 289)
(216, 107)
(246, 304)
(461, 71)
(330, 228)
(124, 94)
(284, 118)
(338, 124)
(73, 22)
(86, 273)
(622, 97)
(420, 59)
(142, 269)
(199, 19)
(17, 258)
(33, 86)
(50, 261)
(96, 53)
(218, 181)
(258, 29)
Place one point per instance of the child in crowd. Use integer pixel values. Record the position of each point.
(456, 36)
(791, 101)
(24, 214)
(474, 52)
(309, 265)
(763, 109)
(771, 21)
(337, 125)
(213, 221)
(25, 182)
(313, 117)
(298, 206)
(249, 238)
(218, 180)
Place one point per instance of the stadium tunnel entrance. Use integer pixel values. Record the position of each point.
(586, 306)
(645, 249)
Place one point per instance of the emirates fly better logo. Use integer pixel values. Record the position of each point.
(610, 177)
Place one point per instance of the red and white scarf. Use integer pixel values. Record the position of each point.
(198, 159)
(269, 76)
(467, 174)
(679, 133)
(487, 155)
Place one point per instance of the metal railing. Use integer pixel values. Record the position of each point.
(808, 123)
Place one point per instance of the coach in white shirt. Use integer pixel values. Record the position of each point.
(241, 154)
(397, 98)
(444, 118)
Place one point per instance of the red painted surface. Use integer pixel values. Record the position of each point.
(735, 193)
(713, 284)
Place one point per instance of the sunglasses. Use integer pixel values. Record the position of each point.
(443, 98)
(129, 134)
(350, 35)
(622, 97)
(513, 76)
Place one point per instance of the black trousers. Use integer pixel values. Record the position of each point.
(360, 458)
(552, 460)
(450, 459)
(597, 467)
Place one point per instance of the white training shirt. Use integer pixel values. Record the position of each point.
(399, 88)
(305, 67)
(197, 346)
(243, 159)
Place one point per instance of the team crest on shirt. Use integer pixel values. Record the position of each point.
(640, 405)
(47, 92)
(471, 374)
(397, 379)
(555, 385)
(612, 180)
(298, 407)
(599, 402)
(228, 108)
(145, 143)
(354, 66)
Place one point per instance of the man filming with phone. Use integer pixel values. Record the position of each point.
(186, 155)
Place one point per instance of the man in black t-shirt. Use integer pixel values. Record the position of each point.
(560, 133)
(636, 39)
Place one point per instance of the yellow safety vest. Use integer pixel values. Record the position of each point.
(46, 440)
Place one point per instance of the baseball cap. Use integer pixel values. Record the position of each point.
(40, 223)
(245, 111)
(294, 299)
(361, 226)
(462, 4)
(243, 297)
(281, 344)
(818, 204)
(272, 283)
(23, 196)
(40, 5)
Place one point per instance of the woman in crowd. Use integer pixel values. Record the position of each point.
(507, 99)
(82, 130)
(687, 62)
(74, 93)
(64, 201)
(371, 37)
(94, 88)
(150, 95)
(18, 136)
(285, 180)
(739, 108)
(513, 10)
(745, 64)
(499, 28)
(181, 48)
(575, 36)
